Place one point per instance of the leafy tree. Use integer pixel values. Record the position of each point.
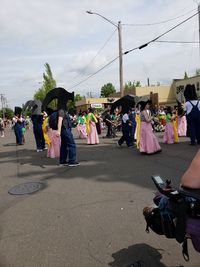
(186, 75)
(71, 105)
(197, 71)
(8, 113)
(48, 84)
(129, 86)
(107, 90)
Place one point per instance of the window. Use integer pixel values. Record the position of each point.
(198, 86)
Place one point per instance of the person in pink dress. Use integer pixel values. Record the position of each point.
(53, 141)
(169, 137)
(148, 142)
(81, 125)
(182, 122)
(92, 137)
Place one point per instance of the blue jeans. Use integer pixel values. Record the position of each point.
(125, 135)
(68, 146)
(194, 128)
(18, 133)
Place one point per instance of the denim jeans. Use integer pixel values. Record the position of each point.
(68, 146)
(18, 133)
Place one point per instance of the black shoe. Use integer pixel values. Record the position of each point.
(73, 164)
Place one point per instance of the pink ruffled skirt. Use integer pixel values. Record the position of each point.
(168, 137)
(148, 141)
(93, 137)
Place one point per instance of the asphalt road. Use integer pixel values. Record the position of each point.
(88, 216)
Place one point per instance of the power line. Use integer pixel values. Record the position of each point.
(133, 49)
(110, 37)
(109, 63)
(160, 22)
(179, 42)
(158, 37)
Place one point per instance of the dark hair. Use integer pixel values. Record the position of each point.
(143, 104)
(190, 92)
(169, 110)
(49, 111)
(91, 110)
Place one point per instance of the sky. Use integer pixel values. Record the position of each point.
(77, 44)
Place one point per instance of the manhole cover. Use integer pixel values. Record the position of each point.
(26, 188)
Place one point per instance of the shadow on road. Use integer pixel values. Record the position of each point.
(104, 163)
(139, 255)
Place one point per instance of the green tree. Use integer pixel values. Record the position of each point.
(8, 113)
(107, 90)
(197, 71)
(130, 86)
(47, 85)
(71, 105)
(186, 75)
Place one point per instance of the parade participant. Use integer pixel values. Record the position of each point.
(162, 116)
(37, 120)
(81, 125)
(1, 127)
(108, 122)
(98, 124)
(50, 136)
(17, 122)
(148, 141)
(182, 122)
(175, 124)
(192, 108)
(132, 118)
(126, 125)
(64, 125)
(92, 137)
(169, 136)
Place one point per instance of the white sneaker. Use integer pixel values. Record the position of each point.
(39, 150)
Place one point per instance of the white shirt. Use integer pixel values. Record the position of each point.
(188, 106)
(125, 118)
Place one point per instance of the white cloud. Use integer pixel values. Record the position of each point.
(61, 33)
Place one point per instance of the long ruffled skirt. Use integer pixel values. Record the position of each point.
(168, 137)
(81, 129)
(182, 126)
(148, 141)
(54, 147)
(93, 137)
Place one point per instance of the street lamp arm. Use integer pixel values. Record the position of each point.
(94, 13)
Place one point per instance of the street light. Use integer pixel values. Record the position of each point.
(119, 28)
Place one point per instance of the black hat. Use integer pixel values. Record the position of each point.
(35, 106)
(18, 111)
(61, 95)
(126, 103)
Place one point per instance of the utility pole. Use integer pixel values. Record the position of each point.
(2, 104)
(119, 27)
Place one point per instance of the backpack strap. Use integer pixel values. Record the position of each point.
(197, 103)
(191, 103)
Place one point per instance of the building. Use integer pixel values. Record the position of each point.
(161, 94)
(96, 103)
(178, 86)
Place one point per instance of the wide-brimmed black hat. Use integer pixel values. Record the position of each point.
(35, 106)
(61, 95)
(125, 103)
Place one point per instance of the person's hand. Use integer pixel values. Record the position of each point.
(58, 133)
